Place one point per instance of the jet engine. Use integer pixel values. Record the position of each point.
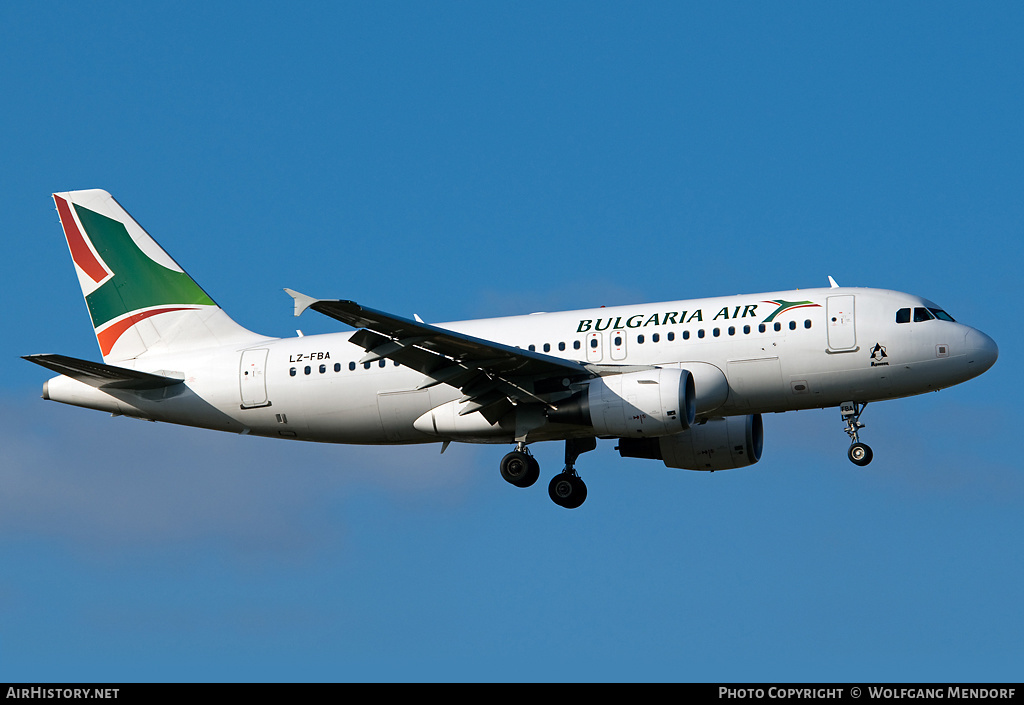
(717, 444)
(646, 404)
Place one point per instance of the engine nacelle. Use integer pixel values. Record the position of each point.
(718, 444)
(648, 404)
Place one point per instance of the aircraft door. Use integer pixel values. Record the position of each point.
(594, 352)
(842, 333)
(252, 380)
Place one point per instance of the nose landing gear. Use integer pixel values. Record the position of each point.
(859, 453)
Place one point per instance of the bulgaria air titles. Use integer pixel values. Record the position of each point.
(642, 320)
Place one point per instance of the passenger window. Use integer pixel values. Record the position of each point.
(292, 372)
(307, 369)
(778, 327)
(323, 368)
(351, 366)
(746, 330)
(640, 339)
(593, 343)
(716, 332)
(807, 323)
(671, 336)
(382, 363)
(561, 346)
(761, 328)
(792, 325)
(531, 348)
(575, 345)
(732, 330)
(922, 314)
(700, 333)
(547, 347)
(903, 315)
(655, 338)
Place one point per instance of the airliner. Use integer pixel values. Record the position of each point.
(683, 382)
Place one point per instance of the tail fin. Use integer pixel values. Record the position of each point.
(139, 299)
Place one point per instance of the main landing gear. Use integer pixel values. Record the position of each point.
(519, 467)
(859, 453)
(566, 489)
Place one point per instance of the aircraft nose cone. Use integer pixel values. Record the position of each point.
(982, 351)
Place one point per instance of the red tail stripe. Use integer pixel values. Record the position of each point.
(80, 251)
(109, 335)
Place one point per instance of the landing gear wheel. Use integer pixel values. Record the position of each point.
(567, 491)
(520, 469)
(860, 454)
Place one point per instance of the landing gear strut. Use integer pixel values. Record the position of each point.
(566, 488)
(519, 467)
(859, 453)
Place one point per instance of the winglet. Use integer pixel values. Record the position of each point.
(302, 302)
(830, 281)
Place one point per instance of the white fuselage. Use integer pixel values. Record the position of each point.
(748, 354)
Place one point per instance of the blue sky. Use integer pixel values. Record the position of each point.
(457, 160)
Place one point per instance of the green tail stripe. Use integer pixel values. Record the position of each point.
(138, 281)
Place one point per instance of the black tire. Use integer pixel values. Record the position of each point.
(567, 491)
(860, 454)
(534, 473)
(519, 469)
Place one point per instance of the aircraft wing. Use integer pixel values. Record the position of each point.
(492, 376)
(99, 375)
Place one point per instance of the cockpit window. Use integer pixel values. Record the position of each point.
(923, 314)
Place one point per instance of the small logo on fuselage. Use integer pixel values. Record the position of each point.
(878, 356)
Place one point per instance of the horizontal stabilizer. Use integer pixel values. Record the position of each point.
(96, 374)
